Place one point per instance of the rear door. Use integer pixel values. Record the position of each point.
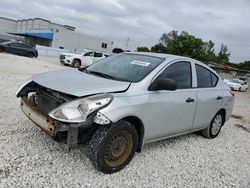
(14, 48)
(173, 111)
(19, 48)
(23, 49)
(209, 97)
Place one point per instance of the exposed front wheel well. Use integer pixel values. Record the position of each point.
(137, 123)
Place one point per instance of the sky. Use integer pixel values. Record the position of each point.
(144, 21)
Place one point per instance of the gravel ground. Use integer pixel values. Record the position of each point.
(29, 158)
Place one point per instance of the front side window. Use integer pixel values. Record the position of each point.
(205, 78)
(126, 67)
(88, 54)
(14, 45)
(181, 73)
(24, 46)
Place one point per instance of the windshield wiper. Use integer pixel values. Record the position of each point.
(106, 75)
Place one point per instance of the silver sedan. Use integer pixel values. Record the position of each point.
(122, 102)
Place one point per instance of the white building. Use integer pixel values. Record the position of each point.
(46, 33)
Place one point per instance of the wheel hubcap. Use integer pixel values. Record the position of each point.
(216, 124)
(76, 64)
(118, 149)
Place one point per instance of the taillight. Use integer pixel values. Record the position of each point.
(232, 93)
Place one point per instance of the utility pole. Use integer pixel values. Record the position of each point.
(126, 48)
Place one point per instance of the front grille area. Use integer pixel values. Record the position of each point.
(62, 57)
(47, 103)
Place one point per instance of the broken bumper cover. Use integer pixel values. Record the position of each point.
(46, 124)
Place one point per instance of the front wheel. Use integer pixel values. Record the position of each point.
(112, 147)
(215, 126)
(76, 63)
(1, 50)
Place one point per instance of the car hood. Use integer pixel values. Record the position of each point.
(77, 83)
(68, 54)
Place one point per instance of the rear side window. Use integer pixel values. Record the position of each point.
(179, 72)
(205, 78)
(97, 54)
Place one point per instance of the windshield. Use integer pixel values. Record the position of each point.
(126, 67)
(236, 81)
(79, 51)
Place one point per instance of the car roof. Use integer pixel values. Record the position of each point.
(9, 42)
(171, 57)
(160, 55)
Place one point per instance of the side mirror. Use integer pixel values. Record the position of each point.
(163, 84)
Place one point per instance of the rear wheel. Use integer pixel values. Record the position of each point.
(76, 63)
(1, 50)
(215, 126)
(30, 54)
(112, 147)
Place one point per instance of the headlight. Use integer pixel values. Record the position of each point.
(78, 110)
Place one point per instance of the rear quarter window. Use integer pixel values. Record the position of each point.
(205, 78)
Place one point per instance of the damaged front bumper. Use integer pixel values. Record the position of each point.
(71, 134)
(46, 124)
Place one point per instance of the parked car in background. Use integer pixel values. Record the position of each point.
(81, 57)
(18, 48)
(243, 79)
(237, 85)
(127, 100)
(226, 81)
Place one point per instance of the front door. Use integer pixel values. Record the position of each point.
(173, 111)
(98, 56)
(88, 58)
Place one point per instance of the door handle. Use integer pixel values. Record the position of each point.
(189, 100)
(219, 98)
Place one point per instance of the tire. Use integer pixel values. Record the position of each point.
(240, 89)
(30, 54)
(1, 50)
(214, 128)
(76, 63)
(112, 147)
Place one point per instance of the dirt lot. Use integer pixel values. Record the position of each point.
(29, 158)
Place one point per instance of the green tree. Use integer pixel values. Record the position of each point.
(183, 44)
(223, 55)
(188, 45)
(244, 65)
(159, 48)
(142, 49)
